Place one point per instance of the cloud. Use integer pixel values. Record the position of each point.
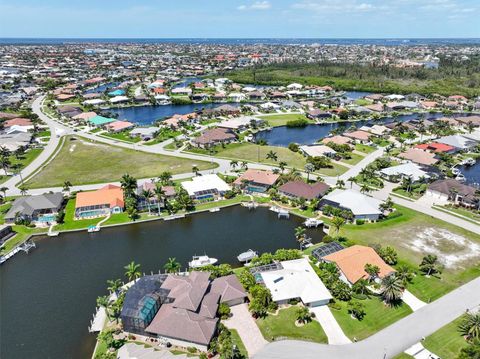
(334, 6)
(258, 5)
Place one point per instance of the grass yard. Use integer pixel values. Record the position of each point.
(121, 136)
(364, 148)
(471, 214)
(378, 316)
(238, 342)
(336, 170)
(446, 342)
(82, 161)
(409, 195)
(255, 153)
(354, 160)
(24, 161)
(281, 120)
(283, 326)
(399, 233)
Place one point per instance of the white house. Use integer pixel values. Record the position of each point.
(362, 206)
(205, 188)
(458, 141)
(409, 169)
(294, 86)
(295, 279)
(318, 150)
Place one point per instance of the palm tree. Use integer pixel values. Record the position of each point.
(244, 165)
(361, 286)
(469, 327)
(165, 178)
(407, 183)
(147, 194)
(340, 184)
(272, 156)
(4, 191)
(5, 163)
(132, 271)
(405, 274)
(364, 188)
(66, 186)
(172, 266)
(195, 170)
(309, 168)
(23, 190)
(372, 270)
(429, 265)
(303, 315)
(233, 164)
(129, 185)
(282, 165)
(352, 180)
(159, 193)
(392, 289)
(114, 285)
(337, 223)
(300, 234)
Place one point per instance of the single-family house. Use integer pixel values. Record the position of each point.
(100, 121)
(419, 156)
(410, 170)
(436, 147)
(214, 136)
(359, 136)
(256, 180)
(351, 263)
(300, 189)
(118, 126)
(318, 151)
(102, 202)
(362, 206)
(460, 142)
(145, 133)
(206, 188)
(40, 209)
(452, 190)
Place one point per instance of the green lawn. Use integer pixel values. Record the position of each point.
(399, 233)
(336, 170)
(403, 356)
(378, 316)
(82, 162)
(281, 120)
(411, 195)
(355, 158)
(238, 342)
(23, 161)
(121, 136)
(283, 326)
(446, 342)
(364, 148)
(45, 133)
(255, 153)
(472, 214)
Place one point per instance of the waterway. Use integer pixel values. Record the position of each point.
(147, 115)
(48, 296)
(310, 134)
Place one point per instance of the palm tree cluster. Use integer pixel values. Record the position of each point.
(392, 288)
(129, 187)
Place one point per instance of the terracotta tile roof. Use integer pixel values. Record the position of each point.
(358, 135)
(258, 176)
(110, 194)
(18, 122)
(339, 140)
(419, 156)
(435, 147)
(228, 287)
(352, 260)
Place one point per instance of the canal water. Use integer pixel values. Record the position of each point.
(282, 136)
(472, 174)
(48, 296)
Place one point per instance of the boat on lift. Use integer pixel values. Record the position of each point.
(201, 261)
(312, 222)
(455, 171)
(247, 256)
(92, 229)
(460, 177)
(469, 161)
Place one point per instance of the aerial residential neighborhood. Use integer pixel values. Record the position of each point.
(249, 179)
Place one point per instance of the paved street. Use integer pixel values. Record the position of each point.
(391, 340)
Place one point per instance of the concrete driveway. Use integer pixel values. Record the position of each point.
(330, 326)
(242, 321)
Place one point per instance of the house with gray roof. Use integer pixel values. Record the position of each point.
(38, 209)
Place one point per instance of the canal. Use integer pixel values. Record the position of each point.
(48, 296)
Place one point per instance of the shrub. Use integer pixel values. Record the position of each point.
(301, 122)
(357, 309)
(223, 311)
(360, 222)
(293, 147)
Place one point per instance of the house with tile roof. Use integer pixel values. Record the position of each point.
(102, 202)
(300, 189)
(351, 263)
(256, 180)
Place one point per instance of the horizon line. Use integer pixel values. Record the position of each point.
(242, 38)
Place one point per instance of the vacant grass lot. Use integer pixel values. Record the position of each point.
(355, 158)
(399, 233)
(121, 136)
(282, 119)
(23, 161)
(446, 342)
(81, 161)
(378, 316)
(283, 326)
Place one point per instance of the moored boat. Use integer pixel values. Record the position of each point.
(247, 256)
(201, 261)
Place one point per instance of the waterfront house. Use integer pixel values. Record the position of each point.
(39, 209)
(99, 121)
(145, 133)
(452, 190)
(179, 309)
(214, 136)
(84, 116)
(359, 136)
(102, 202)
(94, 102)
(436, 147)
(241, 123)
(363, 207)
(118, 126)
(338, 140)
(206, 188)
(151, 203)
(300, 189)
(419, 156)
(316, 113)
(5, 233)
(256, 180)
(351, 263)
(461, 143)
(413, 171)
(293, 280)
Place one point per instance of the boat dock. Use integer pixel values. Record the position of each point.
(98, 321)
(175, 216)
(312, 223)
(25, 247)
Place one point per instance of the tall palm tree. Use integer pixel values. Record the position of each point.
(271, 155)
(165, 177)
(66, 186)
(160, 194)
(470, 326)
(309, 168)
(23, 190)
(129, 185)
(114, 285)
(244, 165)
(340, 184)
(364, 188)
(282, 165)
(5, 163)
(172, 266)
(300, 235)
(195, 170)
(233, 164)
(4, 191)
(147, 194)
(352, 180)
(391, 289)
(337, 223)
(132, 271)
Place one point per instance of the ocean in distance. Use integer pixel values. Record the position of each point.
(245, 41)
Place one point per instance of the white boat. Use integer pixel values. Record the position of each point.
(247, 256)
(469, 161)
(93, 229)
(312, 222)
(201, 261)
(53, 234)
(455, 171)
(460, 177)
(215, 210)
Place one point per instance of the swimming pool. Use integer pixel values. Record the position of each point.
(95, 213)
(46, 218)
